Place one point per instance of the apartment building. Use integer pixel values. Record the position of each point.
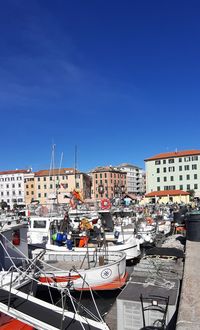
(179, 170)
(108, 182)
(29, 188)
(135, 178)
(58, 183)
(12, 186)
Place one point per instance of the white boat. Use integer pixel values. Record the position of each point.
(18, 284)
(43, 229)
(83, 271)
(130, 247)
(146, 229)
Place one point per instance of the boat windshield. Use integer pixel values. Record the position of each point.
(39, 224)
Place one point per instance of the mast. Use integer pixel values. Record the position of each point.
(75, 165)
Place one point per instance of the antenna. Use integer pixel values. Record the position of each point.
(75, 164)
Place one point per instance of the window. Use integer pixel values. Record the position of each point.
(164, 161)
(186, 167)
(180, 168)
(171, 178)
(187, 159)
(19, 185)
(157, 162)
(31, 185)
(7, 186)
(180, 177)
(77, 185)
(13, 185)
(20, 192)
(195, 186)
(195, 176)
(158, 188)
(44, 178)
(165, 178)
(158, 179)
(105, 175)
(164, 169)
(39, 224)
(194, 157)
(180, 160)
(27, 193)
(39, 195)
(157, 170)
(188, 186)
(171, 169)
(51, 186)
(45, 194)
(171, 161)
(51, 179)
(38, 179)
(181, 187)
(172, 187)
(194, 167)
(39, 187)
(187, 177)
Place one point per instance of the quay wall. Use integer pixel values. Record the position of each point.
(189, 307)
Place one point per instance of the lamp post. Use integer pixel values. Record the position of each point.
(101, 190)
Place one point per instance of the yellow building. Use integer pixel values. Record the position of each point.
(57, 184)
(168, 196)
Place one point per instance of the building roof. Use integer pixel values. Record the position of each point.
(107, 169)
(174, 154)
(162, 193)
(14, 172)
(129, 166)
(56, 171)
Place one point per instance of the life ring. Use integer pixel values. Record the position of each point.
(105, 204)
(149, 221)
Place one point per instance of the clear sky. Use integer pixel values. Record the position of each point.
(119, 79)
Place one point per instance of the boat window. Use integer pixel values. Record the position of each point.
(39, 224)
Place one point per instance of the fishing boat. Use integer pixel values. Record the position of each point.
(19, 284)
(98, 270)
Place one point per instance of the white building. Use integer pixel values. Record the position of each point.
(12, 186)
(178, 170)
(135, 178)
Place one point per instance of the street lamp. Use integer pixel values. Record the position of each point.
(101, 190)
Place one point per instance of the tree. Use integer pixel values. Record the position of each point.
(192, 194)
(3, 205)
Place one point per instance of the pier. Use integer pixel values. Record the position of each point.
(189, 307)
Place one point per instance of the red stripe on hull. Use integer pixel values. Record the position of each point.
(58, 279)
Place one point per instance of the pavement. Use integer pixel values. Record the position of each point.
(189, 308)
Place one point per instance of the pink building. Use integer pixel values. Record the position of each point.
(108, 182)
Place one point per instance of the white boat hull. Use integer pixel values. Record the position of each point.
(101, 271)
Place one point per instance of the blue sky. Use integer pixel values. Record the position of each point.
(119, 79)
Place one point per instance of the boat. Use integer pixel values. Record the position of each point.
(39, 227)
(19, 285)
(98, 270)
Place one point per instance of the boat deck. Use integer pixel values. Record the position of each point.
(40, 313)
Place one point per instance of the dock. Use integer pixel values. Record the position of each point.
(189, 306)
